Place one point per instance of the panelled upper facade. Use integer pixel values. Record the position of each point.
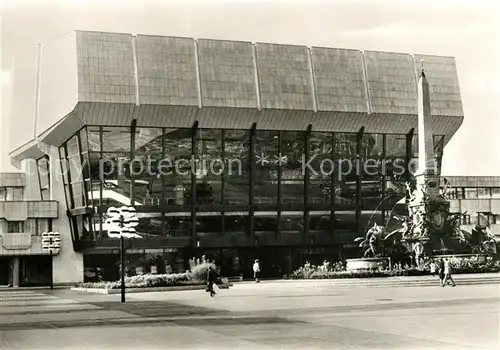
(235, 123)
(22, 223)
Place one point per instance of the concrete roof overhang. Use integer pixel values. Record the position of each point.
(114, 114)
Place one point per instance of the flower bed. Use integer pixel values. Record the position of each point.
(145, 281)
(459, 266)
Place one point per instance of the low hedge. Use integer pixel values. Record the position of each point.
(459, 266)
(145, 281)
(298, 274)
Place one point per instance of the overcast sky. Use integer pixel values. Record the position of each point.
(466, 30)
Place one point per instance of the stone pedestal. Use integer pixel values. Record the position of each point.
(429, 212)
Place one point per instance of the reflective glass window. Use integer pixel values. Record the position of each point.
(292, 222)
(178, 225)
(208, 223)
(43, 167)
(322, 169)
(320, 221)
(495, 192)
(372, 145)
(147, 174)
(15, 226)
(290, 162)
(345, 220)
(116, 139)
(236, 166)
(94, 138)
(470, 193)
(266, 167)
(116, 183)
(176, 166)
(395, 145)
(345, 145)
(74, 162)
(265, 221)
(483, 192)
(237, 222)
(94, 160)
(209, 166)
(64, 164)
(346, 168)
(150, 225)
(371, 167)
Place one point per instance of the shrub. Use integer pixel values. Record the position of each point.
(459, 266)
(143, 281)
(199, 272)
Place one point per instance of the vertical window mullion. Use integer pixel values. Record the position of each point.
(163, 183)
(194, 154)
(222, 175)
(278, 201)
(70, 182)
(251, 179)
(332, 186)
(87, 200)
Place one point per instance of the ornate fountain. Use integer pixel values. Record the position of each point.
(428, 225)
(429, 228)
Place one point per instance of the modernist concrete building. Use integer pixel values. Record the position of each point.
(266, 109)
(23, 219)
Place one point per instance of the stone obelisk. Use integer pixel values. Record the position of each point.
(427, 208)
(427, 175)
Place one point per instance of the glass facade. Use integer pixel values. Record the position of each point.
(191, 183)
(474, 192)
(43, 167)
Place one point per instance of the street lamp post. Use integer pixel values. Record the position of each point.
(120, 224)
(51, 241)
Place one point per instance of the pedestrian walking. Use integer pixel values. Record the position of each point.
(211, 279)
(441, 271)
(447, 274)
(256, 270)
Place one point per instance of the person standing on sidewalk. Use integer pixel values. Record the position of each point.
(256, 270)
(447, 273)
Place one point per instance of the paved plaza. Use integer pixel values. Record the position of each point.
(269, 315)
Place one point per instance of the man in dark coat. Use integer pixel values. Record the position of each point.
(441, 271)
(211, 279)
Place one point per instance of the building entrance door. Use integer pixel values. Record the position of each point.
(5, 271)
(35, 270)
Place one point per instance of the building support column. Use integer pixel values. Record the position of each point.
(194, 158)
(279, 197)
(251, 170)
(384, 177)
(15, 271)
(333, 183)
(133, 129)
(307, 175)
(359, 143)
